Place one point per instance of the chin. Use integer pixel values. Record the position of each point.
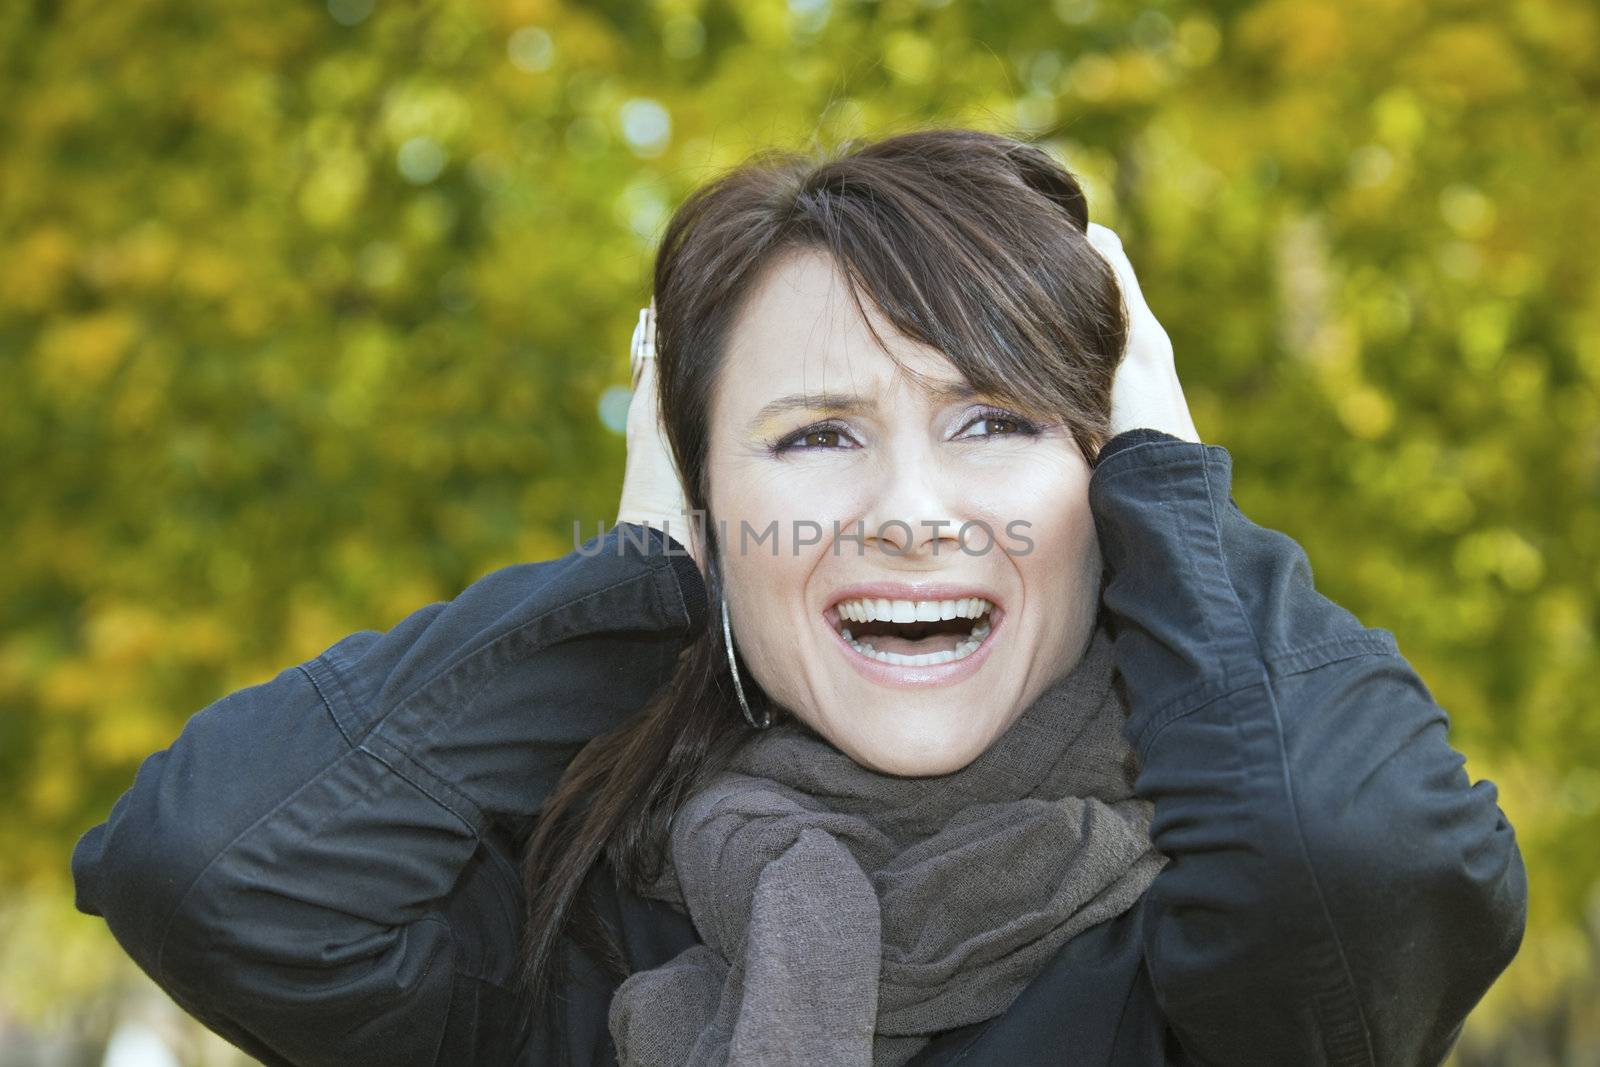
(924, 749)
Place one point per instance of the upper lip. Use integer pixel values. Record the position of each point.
(911, 591)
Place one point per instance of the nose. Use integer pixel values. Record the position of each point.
(916, 508)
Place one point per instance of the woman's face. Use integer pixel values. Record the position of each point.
(840, 487)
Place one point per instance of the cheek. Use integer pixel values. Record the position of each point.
(1066, 541)
(775, 638)
(799, 498)
(767, 573)
(1063, 565)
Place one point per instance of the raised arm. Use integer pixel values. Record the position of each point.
(320, 867)
(1339, 892)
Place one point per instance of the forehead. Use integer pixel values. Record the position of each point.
(800, 331)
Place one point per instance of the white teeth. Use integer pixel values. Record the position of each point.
(878, 609)
(962, 650)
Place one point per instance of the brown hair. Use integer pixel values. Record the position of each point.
(972, 243)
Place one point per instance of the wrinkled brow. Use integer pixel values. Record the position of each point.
(854, 404)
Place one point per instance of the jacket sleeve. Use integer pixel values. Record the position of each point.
(1338, 892)
(319, 867)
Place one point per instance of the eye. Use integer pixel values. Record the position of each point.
(823, 436)
(997, 422)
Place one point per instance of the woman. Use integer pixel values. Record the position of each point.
(976, 724)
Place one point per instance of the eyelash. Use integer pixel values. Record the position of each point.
(791, 443)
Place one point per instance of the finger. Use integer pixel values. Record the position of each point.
(1103, 237)
(1110, 247)
(644, 390)
(642, 346)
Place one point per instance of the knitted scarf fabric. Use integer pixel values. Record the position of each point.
(846, 916)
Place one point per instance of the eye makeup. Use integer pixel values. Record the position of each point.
(797, 440)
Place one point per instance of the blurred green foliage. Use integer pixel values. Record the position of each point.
(308, 311)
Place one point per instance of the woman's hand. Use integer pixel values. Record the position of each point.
(652, 492)
(1145, 390)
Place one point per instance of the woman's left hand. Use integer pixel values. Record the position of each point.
(1145, 390)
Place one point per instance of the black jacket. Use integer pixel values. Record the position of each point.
(322, 867)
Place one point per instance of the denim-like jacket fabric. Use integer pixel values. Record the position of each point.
(322, 868)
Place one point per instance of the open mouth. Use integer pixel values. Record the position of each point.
(913, 633)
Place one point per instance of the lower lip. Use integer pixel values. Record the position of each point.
(925, 677)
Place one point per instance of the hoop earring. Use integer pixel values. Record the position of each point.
(733, 667)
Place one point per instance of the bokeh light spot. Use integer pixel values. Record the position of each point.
(683, 36)
(531, 49)
(420, 160)
(614, 408)
(350, 12)
(646, 126)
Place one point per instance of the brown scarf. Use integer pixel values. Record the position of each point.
(846, 916)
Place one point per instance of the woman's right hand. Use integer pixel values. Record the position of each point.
(1145, 390)
(652, 491)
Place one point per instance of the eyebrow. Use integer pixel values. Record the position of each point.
(853, 404)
